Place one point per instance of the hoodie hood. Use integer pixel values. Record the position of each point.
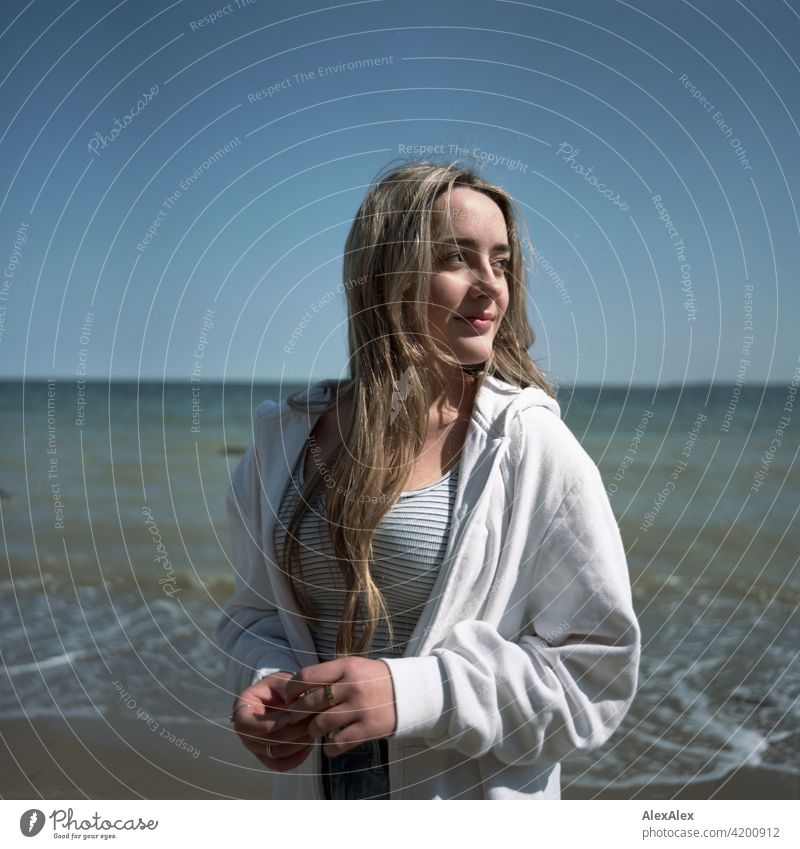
(496, 401)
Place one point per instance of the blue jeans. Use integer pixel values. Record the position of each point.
(361, 773)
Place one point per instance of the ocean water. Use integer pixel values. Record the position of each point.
(704, 482)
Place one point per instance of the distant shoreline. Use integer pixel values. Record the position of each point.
(752, 386)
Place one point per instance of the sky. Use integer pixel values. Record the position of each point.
(177, 180)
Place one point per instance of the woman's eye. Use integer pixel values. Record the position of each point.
(450, 259)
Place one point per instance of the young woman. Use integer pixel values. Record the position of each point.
(432, 597)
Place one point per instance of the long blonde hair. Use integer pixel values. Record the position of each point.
(389, 257)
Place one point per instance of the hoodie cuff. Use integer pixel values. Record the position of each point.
(268, 670)
(419, 696)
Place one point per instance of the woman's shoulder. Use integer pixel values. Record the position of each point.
(544, 443)
(313, 397)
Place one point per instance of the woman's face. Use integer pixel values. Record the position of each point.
(471, 253)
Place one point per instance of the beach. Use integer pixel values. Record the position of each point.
(125, 759)
(108, 624)
(96, 759)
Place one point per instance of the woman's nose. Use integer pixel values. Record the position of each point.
(484, 277)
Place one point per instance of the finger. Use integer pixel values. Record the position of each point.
(248, 707)
(286, 750)
(278, 688)
(284, 764)
(290, 734)
(256, 723)
(341, 740)
(305, 707)
(265, 692)
(252, 737)
(279, 748)
(255, 710)
(321, 673)
(329, 721)
(267, 733)
(313, 701)
(257, 743)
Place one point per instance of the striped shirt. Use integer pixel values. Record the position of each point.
(408, 550)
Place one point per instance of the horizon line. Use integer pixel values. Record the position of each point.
(237, 381)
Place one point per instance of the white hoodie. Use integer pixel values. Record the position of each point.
(528, 648)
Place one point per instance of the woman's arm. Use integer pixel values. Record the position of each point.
(250, 630)
(567, 681)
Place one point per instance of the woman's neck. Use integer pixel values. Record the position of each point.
(451, 400)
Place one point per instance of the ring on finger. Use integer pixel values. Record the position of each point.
(311, 690)
(270, 754)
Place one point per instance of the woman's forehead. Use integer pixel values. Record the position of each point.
(465, 210)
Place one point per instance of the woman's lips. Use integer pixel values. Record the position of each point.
(481, 324)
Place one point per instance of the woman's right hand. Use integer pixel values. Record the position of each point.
(290, 745)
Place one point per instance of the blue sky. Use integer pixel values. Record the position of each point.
(274, 138)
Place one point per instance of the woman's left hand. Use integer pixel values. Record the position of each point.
(364, 708)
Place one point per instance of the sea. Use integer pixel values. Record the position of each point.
(116, 560)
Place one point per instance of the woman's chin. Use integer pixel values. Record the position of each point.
(472, 355)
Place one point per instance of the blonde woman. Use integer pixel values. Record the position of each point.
(432, 598)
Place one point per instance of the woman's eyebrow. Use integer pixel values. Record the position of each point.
(467, 242)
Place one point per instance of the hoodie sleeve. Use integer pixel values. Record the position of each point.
(250, 631)
(567, 680)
